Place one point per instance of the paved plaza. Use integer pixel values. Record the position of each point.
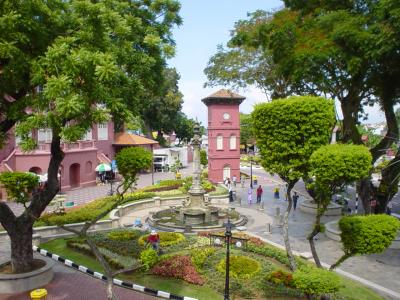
(382, 269)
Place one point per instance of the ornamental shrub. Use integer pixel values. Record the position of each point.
(180, 267)
(88, 211)
(368, 234)
(240, 267)
(166, 238)
(123, 235)
(315, 281)
(280, 277)
(164, 185)
(149, 258)
(200, 255)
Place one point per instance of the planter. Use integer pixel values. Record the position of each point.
(17, 283)
(310, 207)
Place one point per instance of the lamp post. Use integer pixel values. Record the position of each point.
(228, 235)
(111, 187)
(251, 170)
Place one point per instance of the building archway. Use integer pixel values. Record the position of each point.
(226, 172)
(36, 170)
(75, 175)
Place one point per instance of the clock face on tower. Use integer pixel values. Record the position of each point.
(226, 116)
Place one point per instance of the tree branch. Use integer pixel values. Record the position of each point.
(7, 216)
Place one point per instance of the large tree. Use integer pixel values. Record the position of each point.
(94, 67)
(348, 50)
(288, 131)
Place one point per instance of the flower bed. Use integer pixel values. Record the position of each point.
(261, 272)
(180, 267)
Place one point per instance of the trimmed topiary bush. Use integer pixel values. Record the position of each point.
(166, 238)
(149, 258)
(240, 267)
(315, 281)
(366, 234)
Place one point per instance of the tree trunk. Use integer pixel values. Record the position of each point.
(21, 248)
(364, 192)
(109, 287)
(316, 230)
(289, 253)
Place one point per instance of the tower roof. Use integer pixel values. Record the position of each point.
(223, 97)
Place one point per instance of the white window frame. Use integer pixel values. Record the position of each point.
(88, 136)
(232, 142)
(102, 131)
(45, 135)
(220, 142)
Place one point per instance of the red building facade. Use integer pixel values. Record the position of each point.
(223, 135)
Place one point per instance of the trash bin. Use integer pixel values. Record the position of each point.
(39, 294)
(178, 176)
(254, 180)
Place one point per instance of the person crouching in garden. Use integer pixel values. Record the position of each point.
(154, 240)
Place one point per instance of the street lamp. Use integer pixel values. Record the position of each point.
(228, 235)
(111, 192)
(251, 169)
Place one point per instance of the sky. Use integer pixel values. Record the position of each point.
(206, 24)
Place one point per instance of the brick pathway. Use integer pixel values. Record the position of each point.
(78, 286)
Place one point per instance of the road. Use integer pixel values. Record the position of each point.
(350, 193)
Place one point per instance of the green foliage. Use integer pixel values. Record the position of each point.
(166, 238)
(131, 160)
(335, 165)
(203, 157)
(368, 234)
(149, 258)
(177, 165)
(19, 185)
(289, 130)
(88, 211)
(207, 185)
(240, 267)
(123, 235)
(183, 127)
(315, 281)
(199, 256)
(246, 129)
(164, 185)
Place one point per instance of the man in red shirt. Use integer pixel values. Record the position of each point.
(154, 239)
(259, 193)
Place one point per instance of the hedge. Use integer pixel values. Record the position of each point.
(88, 211)
(164, 185)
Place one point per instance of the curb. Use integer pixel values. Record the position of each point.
(125, 284)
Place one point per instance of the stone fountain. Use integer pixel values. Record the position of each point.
(196, 211)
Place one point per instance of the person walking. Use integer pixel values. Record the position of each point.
(259, 193)
(234, 178)
(295, 198)
(230, 193)
(242, 180)
(276, 193)
(249, 196)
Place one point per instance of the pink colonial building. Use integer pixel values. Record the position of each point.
(223, 135)
(81, 158)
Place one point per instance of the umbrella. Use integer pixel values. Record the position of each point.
(103, 168)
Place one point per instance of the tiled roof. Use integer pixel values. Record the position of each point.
(223, 96)
(125, 138)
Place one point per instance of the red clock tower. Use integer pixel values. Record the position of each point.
(223, 135)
